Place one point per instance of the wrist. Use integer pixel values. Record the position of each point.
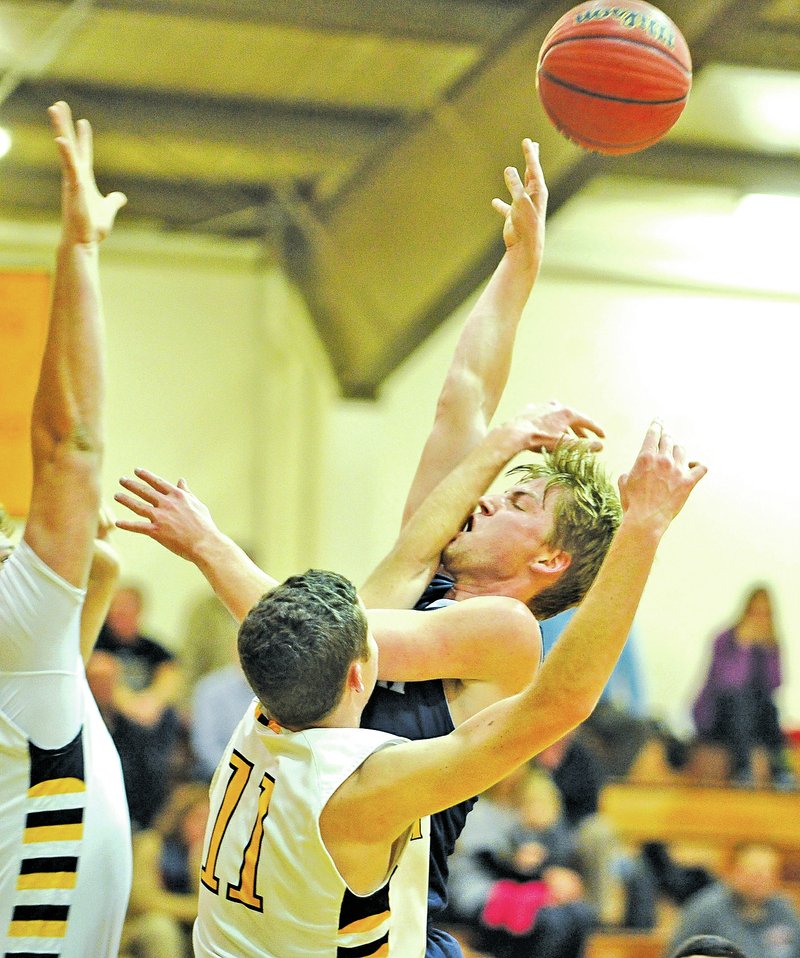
(647, 531)
(509, 439)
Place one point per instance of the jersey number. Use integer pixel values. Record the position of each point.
(245, 889)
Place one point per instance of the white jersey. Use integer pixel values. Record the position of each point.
(269, 888)
(65, 857)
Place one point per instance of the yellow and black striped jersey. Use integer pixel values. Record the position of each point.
(269, 888)
(65, 859)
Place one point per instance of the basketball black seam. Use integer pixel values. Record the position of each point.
(630, 40)
(610, 96)
(580, 139)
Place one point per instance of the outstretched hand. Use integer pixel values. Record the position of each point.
(171, 514)
(87, 215)
(525, 215)
(660, 481)
(544, 424)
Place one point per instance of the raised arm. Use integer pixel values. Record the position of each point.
(394, 788)
(66, 426)
(477, 376)
(174, 517)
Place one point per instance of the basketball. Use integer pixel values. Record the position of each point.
(614, 78)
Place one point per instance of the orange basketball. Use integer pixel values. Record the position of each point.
(614, 78)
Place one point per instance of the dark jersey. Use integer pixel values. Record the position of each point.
(418, 710)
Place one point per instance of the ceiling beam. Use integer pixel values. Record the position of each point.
(746, 170)
(150, 113)
(457, 21)
(167, 205)
(415, 231)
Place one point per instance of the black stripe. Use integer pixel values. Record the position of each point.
(40, 913)
(608, 39)
(355, 908)
(29, 954)
(609, 96)
(39, 866)
(48, 764)
(362, 951)
(58, 816)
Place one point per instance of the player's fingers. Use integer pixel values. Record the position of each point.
(61, 120)
(139, 489)
(502, 208)
(651, 437)
(696, 472)
(153, 479)
(135, 505)
(145, 528)
(513, 182)
(665, 443)
(585, 423)
(116, 201)
(84, 139)
(679, 455)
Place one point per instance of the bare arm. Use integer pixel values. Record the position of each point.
(66, 425)
(396, 786)
(485, 639)
(479, 369)
(103, 579)
(174, 517)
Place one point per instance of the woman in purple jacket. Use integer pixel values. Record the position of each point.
(736, 706)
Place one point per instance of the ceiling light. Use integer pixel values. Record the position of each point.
(5, 141)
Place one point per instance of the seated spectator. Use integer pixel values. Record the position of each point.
(707, 946)
(620, 724)
(219, 701)
(746, 907)
(166, 866)
(579, 776)
(736, 705)
(510, 875)
(136, 682)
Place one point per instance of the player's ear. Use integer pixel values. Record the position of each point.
(355, 678)
(551, 562)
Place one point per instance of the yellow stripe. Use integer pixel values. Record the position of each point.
(37, 929)
(47, 880)
(57, 786)
(382, 952)
(365, 924)
(53, 833)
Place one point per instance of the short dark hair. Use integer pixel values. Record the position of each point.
(586, 517)
(711, 946)
(297, 644)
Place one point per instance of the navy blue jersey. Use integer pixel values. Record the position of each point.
(418, 710)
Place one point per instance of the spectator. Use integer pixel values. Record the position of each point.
(219, 701)
(746, 908)
(736, 706)
(166, 865)
(510, 877)
(707, 946)
(136, 682)
(619, 725)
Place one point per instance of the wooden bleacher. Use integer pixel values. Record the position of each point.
(718, 817)
(700, 824)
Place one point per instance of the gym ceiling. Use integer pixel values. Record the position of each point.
(363, 140)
